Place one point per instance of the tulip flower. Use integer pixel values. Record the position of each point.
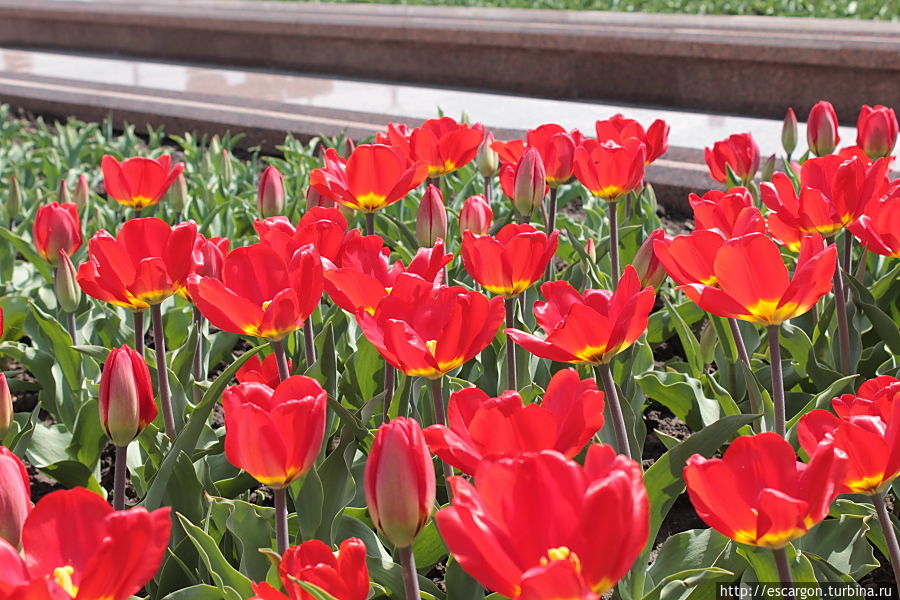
(476, 215)
(139, 182)
(486, 158)
(482, 428)
(260, 294)
(737, 152)
(431, 218)
(878, 229)
(732, 213)
(6, 401)
(270, 192)
(648, 266)
(77, 546)
(427, 331)
(789, 132)
(445, 145)
(343, 574)
(518, 548)
(876, 130)
(15, 496)
(822, 129)
(618, 129)
(373, 177)
(263, 371)
(126, 396)
(555, 146)
(525, 183)
(56, 227)
(510, 262)
(315, 199)
(782, 500)
(610, 170)
(324, 228)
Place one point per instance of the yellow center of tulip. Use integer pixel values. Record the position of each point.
(767, 312)
(431, 345)
(63, 578)
(562, 553)
(370, 202)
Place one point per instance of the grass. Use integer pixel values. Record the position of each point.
(888, 10)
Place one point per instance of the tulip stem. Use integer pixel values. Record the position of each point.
(309, 342)
(615, 408)
(119, 478)
(410, 576)
(70, 322)
(890, 535)
(280, 359)
(488, 189)
(162, 370)
(511, 378)
(777, 379)
(848, 257)
(614, 243)
(370, 223)
(784, 567)
(440, 417)
(139, 332)
(389, 374)
(840, 307)
(550, 224)
(281, 520)
(197, 363)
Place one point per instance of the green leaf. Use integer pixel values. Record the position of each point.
(313, 590)
(688, 341)
(429, 548)
(196, 592)
(882, 323)
(27, 250)
(461, 585)
(220, 570)
(681, 394)
(764, 570)
(842, 544)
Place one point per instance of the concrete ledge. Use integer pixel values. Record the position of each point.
(746, 65)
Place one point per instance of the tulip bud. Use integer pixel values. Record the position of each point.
(68, 292)
(126, 396)
(62, 192)
(6, 408)
(822, 129)
(206, 163)
(2, 325)
(215, 146)
(177, 196)
(431, 219)
(708, 342)
(649, 269)
(14, 199)
(530, 182)
(590, 248)
(270, 194)
(487, 160)
(399, 481)
(876, 131)
(314, 198)
(349, 147)
(789, 132)
(476, 215)
(15, 497)
(768, 169)
(82, 193)
(227, 169)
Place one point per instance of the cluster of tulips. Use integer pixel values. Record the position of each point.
(536, 508)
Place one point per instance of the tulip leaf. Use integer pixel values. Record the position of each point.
(842, 544)
(96, 352)
(250, 531)
(821, 400)
(313, 590)
(688, 340)
(68, 359)
(428, 548)
(220, 570)
(681, 394)
(883, 324)
(461, 585)
(764, 570)
(664, 478)
(196, 592)
(686, 554)
(88, 437)
(28, 251)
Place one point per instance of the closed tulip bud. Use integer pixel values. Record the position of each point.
(431, 219)
(126, 396)
(68, 292)
(476, 215)
(768, 169)
(82, 193)
(14, 199)
(399, 481)
(56, 227)
(349, 147)
(487, 160)
(876, 131)
(206, 163)
(789, 132)
(270, 194)
(177, 196)
(590, 248)
(314, 198)
(708, 342)
(62, 192)
(649, 269)
(822, 129)
(530, 183)
(15, 497)
(6, 407)
(227, 169)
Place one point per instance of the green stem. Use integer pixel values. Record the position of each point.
(139, 332)
(197, 363)
(440, 416)
(73, 330)
(162, 371)
(615, 409)
(309, 342)
(280, 359)
(784, 567)
(614, 243)
(752, 392)
(119, 478)
(511, 378)
(370, 223)
(281, 520)
(410, 576)
(390, 373)
(890, 535)
(777, 379)
(488, 189)
(840, 307)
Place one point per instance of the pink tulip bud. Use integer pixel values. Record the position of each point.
(270, 194)
(476, 215)
(431, 219)
(789, 132)
(126, 396)
(15, 497)
(530, 183)
(399, 481)
(590, 248)
(487, 160)
(82, 193)
(6, 408)
(62, 192)
(649, 269)
(876, 131)
(822, 129)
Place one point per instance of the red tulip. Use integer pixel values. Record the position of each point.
(476, 215)
(555, 145)
(609, 170)
(525, 182)
(867, 429)
(732, 213)
(541, 526)
(431, 218)
(56, 227)
(445, 145)
(264, 371)
(145, 264)
(649, 268)
(510, 262)
(270, 193)
(275, 434)
(77, 546)
(364, 274)
(208, 257)
(344, 574)
(878, 229)
(315, 199)
(483, 428)
(397, 136)
(373, 177)
(427, 331)
(751, 282)
(618, 129)
(822, 129)
(139, 182)
(324, 228)
(126, 396)
(6, 405)
(876, 130)
(739, 152)
(689, 258)
(399, 481)
(590, 328)
(15, 497)
(758, 493)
